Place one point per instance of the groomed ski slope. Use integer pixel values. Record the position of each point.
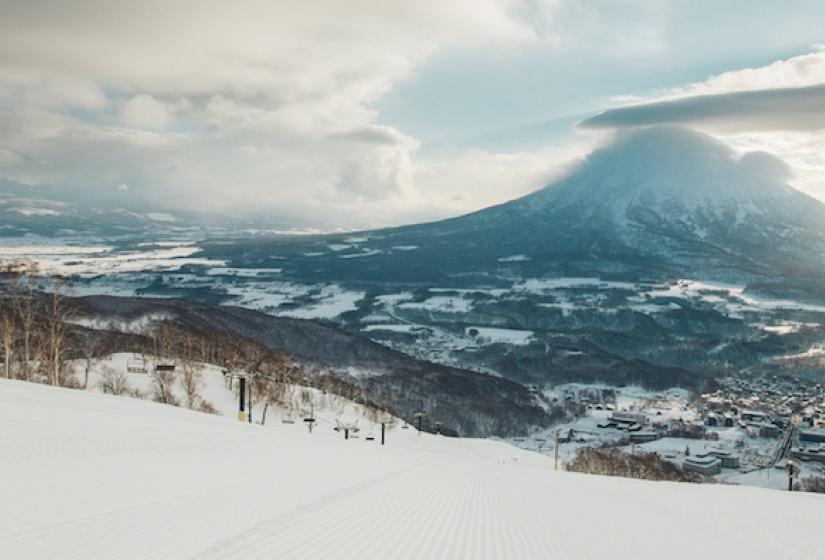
(87, 476)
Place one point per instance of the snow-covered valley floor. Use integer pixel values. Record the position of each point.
(86, 475)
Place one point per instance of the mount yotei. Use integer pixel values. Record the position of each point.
(655, 204)
(665, 258)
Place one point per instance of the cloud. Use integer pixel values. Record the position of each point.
(799, 71)
(801, 108)
(144, 111)
(215, 105)
(273, 106)
(763, 164)
(474, 178)
(803, 151)
(8, 157)
(787, 94)
(776, 109)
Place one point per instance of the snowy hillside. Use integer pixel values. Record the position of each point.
(220, 394)
(96, 476)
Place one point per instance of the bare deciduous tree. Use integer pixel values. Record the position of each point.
(811, 484)
(93, 349)
(26, 309)
(8, 318)
(614, 462)
(163, 387)
(57, 313)
(113, 382)
(191, 380)
(7, 338)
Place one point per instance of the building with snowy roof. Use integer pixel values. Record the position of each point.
(622, 417)
(812, 434)
(707, 465)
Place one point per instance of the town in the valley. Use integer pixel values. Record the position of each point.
(744, 432)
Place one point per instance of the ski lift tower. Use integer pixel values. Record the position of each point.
(418, 416)
(385, 419)
(556, 432)
(792, 469)
(242, 377)
(346, 427)
(310, 420)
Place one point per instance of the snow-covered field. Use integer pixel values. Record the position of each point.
(88, 475)
(106, 269)
(92, 261)
(510, 336)
(330, 303)
(126, 270)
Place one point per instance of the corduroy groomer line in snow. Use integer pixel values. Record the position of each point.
(87, 476)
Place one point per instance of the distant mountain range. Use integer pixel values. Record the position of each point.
(52, 212)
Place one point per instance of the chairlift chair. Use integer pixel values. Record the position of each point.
(310, 421)
(165, 366)
(136, 365)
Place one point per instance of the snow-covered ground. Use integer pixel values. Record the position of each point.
(221, 394)
(88, 475)
(444, 304)
(331, 302)
(92, 261)
(110, 269)
(510, 336)
(128, 270)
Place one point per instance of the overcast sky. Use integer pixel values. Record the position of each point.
(366, 113)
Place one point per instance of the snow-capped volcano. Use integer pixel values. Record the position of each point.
(585, 268)
(658, 202)
(680, 197)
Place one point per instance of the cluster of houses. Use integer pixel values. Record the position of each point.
(811, 445)
(640, 430)
(774, 417)
(765, 400)
(755, 422)
(633, 423)
(766, 406)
